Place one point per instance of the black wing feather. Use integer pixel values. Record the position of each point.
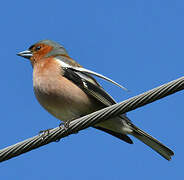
(94, 90)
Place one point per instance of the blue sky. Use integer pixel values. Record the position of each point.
(136, 43)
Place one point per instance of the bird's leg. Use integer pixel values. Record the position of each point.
(61, 124)
(44, 133)
(66, 124)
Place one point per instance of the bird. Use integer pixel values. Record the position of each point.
(69, 91)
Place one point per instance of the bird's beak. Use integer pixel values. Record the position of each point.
(26, 54)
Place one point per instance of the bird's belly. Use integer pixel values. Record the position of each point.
(64, 110)
(65, 103)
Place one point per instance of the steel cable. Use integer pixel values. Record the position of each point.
(91, 119)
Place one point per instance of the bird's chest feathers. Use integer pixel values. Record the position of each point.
(45, 75)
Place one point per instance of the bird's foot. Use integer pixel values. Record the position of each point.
(44, 133)
(65, 125)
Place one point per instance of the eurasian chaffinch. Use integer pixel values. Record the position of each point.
(68, 91)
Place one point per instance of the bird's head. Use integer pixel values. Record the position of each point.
(43, 49)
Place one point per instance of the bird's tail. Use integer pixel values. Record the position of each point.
(115, 128)
(152, 142)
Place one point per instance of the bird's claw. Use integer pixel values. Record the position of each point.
(65, 125)
(44, 133)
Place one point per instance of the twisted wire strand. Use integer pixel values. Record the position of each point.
(91, 119)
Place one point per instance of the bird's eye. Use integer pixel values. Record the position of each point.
(37, 48)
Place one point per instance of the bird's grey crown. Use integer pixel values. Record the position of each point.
(57, 48)
(50, 43)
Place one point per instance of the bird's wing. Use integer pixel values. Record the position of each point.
(90, 86)
(81, 77)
